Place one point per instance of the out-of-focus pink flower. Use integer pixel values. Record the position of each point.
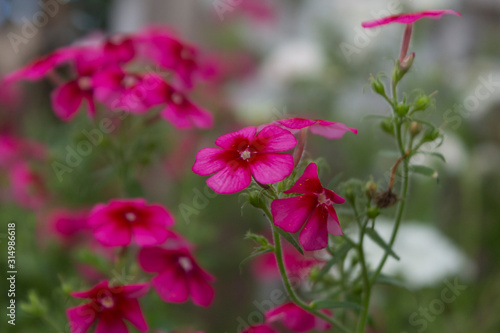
(69, 225)
(328, 129)
(11, 96)
(119, 49)
(109, 306)
(297, 265)
(165, 49)
(28, 187)
(296, 319)
(180, 276)
(14, 149)
(313, 210)
(409, 18)
(115, 223)
(264, 328)
(244, 154)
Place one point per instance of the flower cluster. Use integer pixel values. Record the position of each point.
(101, 69)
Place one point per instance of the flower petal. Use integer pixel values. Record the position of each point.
(211, 160)
(201, 291)
(333, 224)
(131, 311)
(66, 100)
(133, 290)
(270, 168)
(296, 123)
(274, 139)
(234, 177)
(147, 234)
(186, 115)
(110, 323)
(238, 139)
(314, 236)
(154, 259)
(293, 317)
(331, 130)
(290, 214)
(171, 285)
(81, 318)
(334, 197)
(308, 182)
(409, 17)
(113, 234)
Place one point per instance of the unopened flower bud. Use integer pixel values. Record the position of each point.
(415, 128)
(422, 103)
(255, 199)
(378, 86)
(402, 109)
(371, 189)
(431, 135)
(373, 212)
(387, 126)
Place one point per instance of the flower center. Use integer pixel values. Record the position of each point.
(130, 217)
(129, 81)
(107, 302)
(85, 83)
(245, 155)
(323, 199)
(185, 54)
(177, 98)
(185, 263)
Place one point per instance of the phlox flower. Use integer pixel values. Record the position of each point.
(14, 149)
(297, 319)
(115, 223)
(109, 306)
(69, 225)
(409, 18)
(245, 154)
(179, 275)
(313, 210)
(328, 129)
(27, 186)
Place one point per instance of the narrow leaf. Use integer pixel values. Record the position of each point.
(290, 239)
(253, 255)
(336, 256)
(424, 171)
(377, 239)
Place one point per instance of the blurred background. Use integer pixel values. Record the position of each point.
(278, 59)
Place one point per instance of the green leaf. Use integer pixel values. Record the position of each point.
(388, 280)
(377, 239)
(424, 171)
(253, 255)
(330, 304)
(438, 155)
(290, 239)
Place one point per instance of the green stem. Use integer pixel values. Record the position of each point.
(288, 286)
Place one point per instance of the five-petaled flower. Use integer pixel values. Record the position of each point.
(313, 208)
(115, 223)
(244, 154)
(180, 276)
(109, 306)
(297, 319)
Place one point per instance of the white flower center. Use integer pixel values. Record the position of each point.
(185, 54)
(177, 98)
(246, 155)
(323, 199)
(107, 302)
(129, 81)
(186, 263)
(85, 83)
(131, 217)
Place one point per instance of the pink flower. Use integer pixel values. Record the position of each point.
(409, 18)
(14, 149)
(313, 210)
(69, 225)
(296, 319)
(115, 223)
(245, 154)
(179, 278)
(109, 306)
(27, 186)
(264, 328)
(328, 129)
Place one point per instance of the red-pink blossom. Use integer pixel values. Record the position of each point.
(109, 306)
(115, 223)
(328, 129)
(180, 277)
(69, 225)
(264, 328)
(27, 186)
(14, 149)
(297, 319)
(244, 154)
(409, 18)
(313, 210)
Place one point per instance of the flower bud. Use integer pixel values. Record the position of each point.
(255, 199)
(431, 135)
(378, 86)
(387, 126)
(407, 62)
(422, 103)
(415, 128)
(371, 189)
(373, 212)
(402, 109)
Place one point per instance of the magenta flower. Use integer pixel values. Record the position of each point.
(328, 129)
(27, 186)
(409, 18)
(313, 210)
(244, 154)
(14, 149)
(296, 319)
(69, 225)
(180, 276)
(109, 306)
(264, 328)
(115, 223)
